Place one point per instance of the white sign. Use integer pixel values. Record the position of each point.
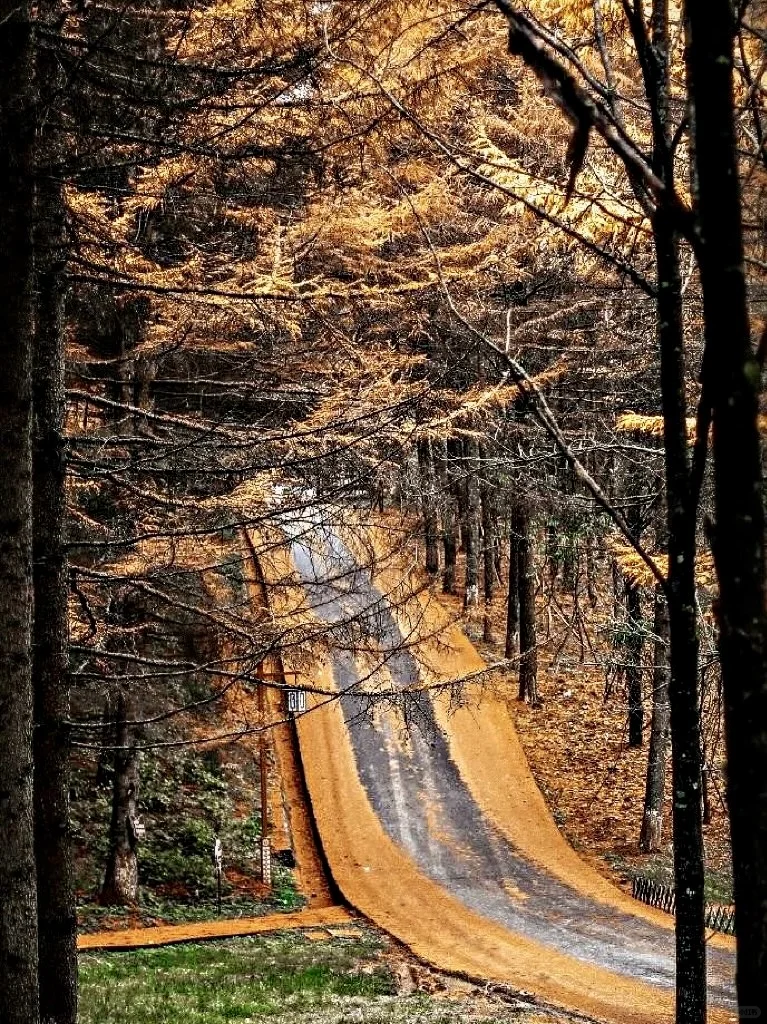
(296, 701)
(266, 861)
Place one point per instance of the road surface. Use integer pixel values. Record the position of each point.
(421, 813)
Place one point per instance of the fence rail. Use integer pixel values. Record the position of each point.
(656, 894)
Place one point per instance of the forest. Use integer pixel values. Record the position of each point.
(337, 332)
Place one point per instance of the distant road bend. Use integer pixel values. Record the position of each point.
(439, 834)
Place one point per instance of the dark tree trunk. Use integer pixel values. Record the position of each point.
(55, 882)
(681, 519)
(634, 645)
(488, 543)
(429, 506)
(732, 377)
(683, 632)
(651, 835)
(528, 653)
(449, 522)
(450, 544)
(471, 529)
(121, 878)
(512, 609)
(19, 1002)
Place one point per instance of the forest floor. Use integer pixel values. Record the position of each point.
(334, 975)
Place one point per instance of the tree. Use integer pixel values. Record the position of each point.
(732, 382)
(121, 879)
(57, 919)
(19, 1000)
(528, 653)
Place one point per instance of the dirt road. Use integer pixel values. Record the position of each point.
(438, 833)
(170, 934)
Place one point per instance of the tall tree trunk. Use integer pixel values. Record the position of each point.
(651, 835)
(488, 543)
(449, 522)
(512, 608)
(682, 501)
(429, 506)
(471, 532)
(528, 653)
(19, 1002)
(733, 379)
(683, 632)
(633, 648)
(121, 877)
(57, 921)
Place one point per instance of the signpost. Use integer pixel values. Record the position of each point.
(218, 867)
(266, 860)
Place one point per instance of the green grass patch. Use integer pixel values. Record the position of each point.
(239, 980)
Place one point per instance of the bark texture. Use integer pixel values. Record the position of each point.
(55, 882)
(18, 917)
(732, 377)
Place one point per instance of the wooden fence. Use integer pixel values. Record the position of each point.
(656, 894)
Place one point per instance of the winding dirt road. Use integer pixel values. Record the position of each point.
(439, 834)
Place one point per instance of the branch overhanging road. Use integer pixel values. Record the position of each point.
(500, 912)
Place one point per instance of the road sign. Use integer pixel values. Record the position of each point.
(296, 700)
(266, 861)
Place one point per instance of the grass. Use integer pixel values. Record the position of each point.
(239, 980)
(285, 978)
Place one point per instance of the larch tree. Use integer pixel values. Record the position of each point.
(19, 999)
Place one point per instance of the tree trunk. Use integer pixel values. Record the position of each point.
(633, 650)
(471, 531)
(450, 544)
(19, 1002)
(56, 911)
(488, 544)
(732, 377)
(429, 506)
(528, 654)
(449, 522)
(512, 609)
(683, 633)
(121, 878)
(682, 510)
(651, 834)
